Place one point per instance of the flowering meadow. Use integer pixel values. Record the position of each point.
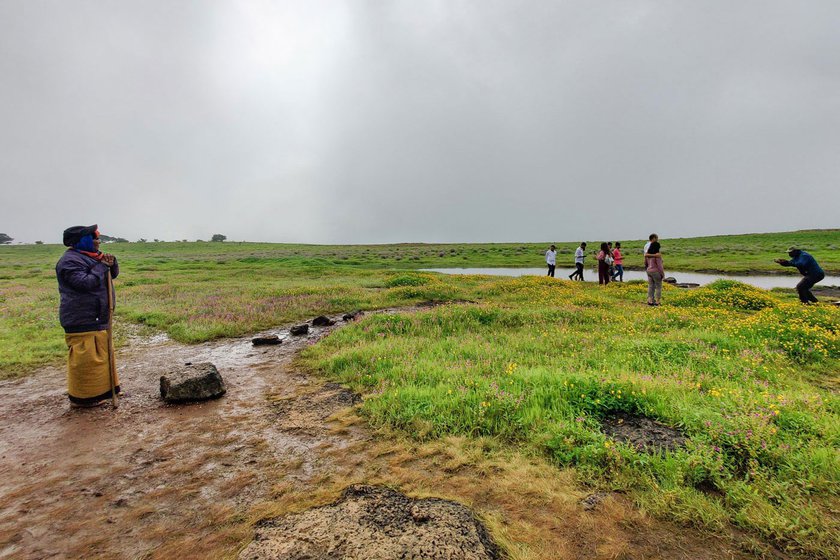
(749, 377)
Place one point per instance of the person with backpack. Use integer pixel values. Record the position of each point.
(604, 261)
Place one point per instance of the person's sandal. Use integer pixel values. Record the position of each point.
(89, 405)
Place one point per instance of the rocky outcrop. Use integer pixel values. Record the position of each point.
(192, 382)
(375, 523)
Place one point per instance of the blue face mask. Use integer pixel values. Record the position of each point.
(85, 244)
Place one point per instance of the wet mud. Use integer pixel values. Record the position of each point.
(123, 483)
(375, 523)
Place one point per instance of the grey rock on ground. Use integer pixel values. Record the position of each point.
(353, 315)
(266, 340)
(375, 523)
(670, 280)
(322, 321)
(192, 382)
(298, 330)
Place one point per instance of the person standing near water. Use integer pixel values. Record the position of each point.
(618, 259)
(655, 273)
(82, 273)
(603, 264)
(580, 255)
(551, 260)
(810, 270)
(651, 238)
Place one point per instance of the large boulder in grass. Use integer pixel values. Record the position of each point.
(192, 382)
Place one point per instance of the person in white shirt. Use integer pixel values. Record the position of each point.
(580, 255)
(551, 260)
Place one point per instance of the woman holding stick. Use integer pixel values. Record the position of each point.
(84, 274)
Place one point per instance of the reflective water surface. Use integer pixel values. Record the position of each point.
(766, 281)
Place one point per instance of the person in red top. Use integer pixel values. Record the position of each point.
(604, 257)
(618, 262)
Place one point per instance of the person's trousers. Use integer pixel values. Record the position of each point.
(603, 273)
(654, 287)
(803, 288)
(551, 270)
(578, 273)
(619, 272)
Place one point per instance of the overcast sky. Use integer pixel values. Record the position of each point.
(385, 121)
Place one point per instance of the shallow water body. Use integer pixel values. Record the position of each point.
(762, 281)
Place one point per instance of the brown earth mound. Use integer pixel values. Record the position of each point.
(375, 523)
(642, 433)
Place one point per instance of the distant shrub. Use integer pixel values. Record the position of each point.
(727, 294)
(407, 280)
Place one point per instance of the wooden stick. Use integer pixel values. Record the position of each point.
(112, 369)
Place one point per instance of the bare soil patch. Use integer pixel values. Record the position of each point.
(642, 433)
(375, 523)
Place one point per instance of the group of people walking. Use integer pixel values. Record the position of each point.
(611, 265)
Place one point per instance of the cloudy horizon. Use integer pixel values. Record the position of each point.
(440, 121)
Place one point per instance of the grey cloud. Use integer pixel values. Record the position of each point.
(418, 121)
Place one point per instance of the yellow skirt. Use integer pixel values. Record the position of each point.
(87, 367)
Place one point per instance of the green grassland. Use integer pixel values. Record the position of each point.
(202, 290)
(748, 375)
(751, 377)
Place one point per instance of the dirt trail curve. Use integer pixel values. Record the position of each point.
(83, 483)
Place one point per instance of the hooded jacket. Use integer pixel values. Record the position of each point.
(83, 288)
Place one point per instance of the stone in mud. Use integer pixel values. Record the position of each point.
(375, 523)
(195, 382)
(266, 340)
(642, 433)
(322, 321)
(670, 280)
(593, 500)
(298, 330)
(353, 315)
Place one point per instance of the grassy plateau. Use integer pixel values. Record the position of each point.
(750, 377)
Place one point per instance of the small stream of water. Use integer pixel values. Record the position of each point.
(762, 281)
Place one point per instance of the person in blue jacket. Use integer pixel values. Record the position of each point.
(84, 313)
(810, 270)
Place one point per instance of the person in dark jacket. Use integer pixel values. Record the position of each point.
(83, 312)
(810, 270)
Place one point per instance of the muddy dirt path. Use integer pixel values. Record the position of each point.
(95, 482)
(152, 480)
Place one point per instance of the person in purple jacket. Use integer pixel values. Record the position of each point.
(83, 286)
